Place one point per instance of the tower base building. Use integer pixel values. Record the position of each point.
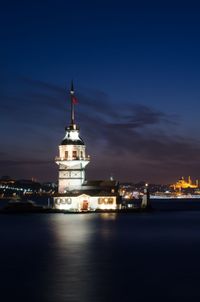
(74, 192)
(101, 196)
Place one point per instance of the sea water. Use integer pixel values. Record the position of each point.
(100, 257)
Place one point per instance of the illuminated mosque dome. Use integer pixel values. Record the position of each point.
(183, 184)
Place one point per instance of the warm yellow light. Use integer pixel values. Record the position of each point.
(183, 184)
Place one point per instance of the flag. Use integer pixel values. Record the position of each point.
(74, 100)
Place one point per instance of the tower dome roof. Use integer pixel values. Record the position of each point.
(68, 141)
(72, 136)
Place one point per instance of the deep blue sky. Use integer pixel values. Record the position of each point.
(136, 70)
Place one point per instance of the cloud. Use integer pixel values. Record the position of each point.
(42, 85)
(128, 137)
(142, 116)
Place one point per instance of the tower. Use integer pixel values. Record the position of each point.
(72, 158)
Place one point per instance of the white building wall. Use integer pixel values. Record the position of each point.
(65, 184)
(80, 150)
(71, 168)
(76, 203)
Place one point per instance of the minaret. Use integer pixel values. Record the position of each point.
(72, 158)
(145, 204)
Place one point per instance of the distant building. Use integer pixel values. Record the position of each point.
(74, 192)
(184, 184)
(6, 180)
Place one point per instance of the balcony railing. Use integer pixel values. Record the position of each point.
(57, 158)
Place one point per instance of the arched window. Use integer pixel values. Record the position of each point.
(57, 201)
(110, 200)
(68, 200)
(74, 154)
(100, 200)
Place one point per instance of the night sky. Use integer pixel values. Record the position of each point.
(136, 72)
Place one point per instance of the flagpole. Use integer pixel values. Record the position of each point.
(72, 103)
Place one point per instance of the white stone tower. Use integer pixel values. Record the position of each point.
(72, 158)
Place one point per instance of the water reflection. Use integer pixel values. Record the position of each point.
(72, 230)
(107, 257)
(72, 270)
(67, 258)
(80, 254)
(108, 216)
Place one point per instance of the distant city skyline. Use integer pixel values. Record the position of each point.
(136, 72)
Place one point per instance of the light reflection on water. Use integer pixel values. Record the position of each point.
(75, 267)
(108, 216)
(100, 257)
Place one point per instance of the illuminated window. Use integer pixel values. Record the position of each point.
(68, 200)
(105, 200)
(100, 200)
(74, 154)
(66, 154)
(110, 200)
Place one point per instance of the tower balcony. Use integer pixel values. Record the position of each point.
(78, 162)
(78, 158)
